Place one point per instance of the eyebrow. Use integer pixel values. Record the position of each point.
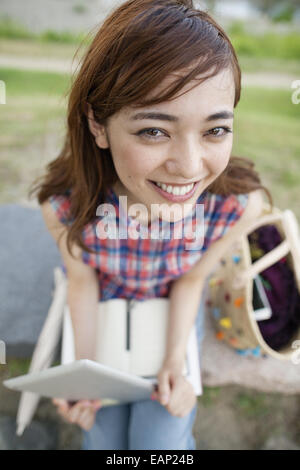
(171, 118)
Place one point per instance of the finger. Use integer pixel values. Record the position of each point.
(81, 406)
(97, 404)
(93, 404)
(74, 413)
(179, 406)
(86, 419)
(84, 404)
(179, 396)
(184, 410)
(60, 402)
(179, 410)
(64, 416)
(163, 388)
(63, 410)
(154, 393)
(87, 423)
(176, 387)
(182, 403)
(178, 413)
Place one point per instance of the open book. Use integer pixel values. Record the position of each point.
(131, 337)
(131, 344)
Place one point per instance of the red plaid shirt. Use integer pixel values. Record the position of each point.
(144, 268)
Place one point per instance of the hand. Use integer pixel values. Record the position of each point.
(174, 391)
(83, 412)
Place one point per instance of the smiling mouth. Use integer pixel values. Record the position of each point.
(175, 189)
(175, 193)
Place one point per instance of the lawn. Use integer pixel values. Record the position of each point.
(32, 126)
(267, 131)
(37, 49)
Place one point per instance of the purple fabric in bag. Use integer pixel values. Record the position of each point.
(282, 293)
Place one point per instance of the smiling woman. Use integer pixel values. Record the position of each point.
(150, 119)
(186, 152)
(144, 87)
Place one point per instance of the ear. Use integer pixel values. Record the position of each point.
(98, 130)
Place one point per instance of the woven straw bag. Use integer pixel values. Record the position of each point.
(231, 283)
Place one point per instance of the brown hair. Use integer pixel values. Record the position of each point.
(138, 45)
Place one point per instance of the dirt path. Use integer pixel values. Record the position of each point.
(263, 79)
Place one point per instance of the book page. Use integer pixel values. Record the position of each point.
(111, 334)
(148, 334)
(136, 346)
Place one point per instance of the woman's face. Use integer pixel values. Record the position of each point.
(190, 147)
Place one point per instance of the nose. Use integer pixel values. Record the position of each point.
(187, 161)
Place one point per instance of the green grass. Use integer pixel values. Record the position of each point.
(37, 49)
(11, 29)
(268, 44)
(32, 127)
(285, 46)
(269, 65)
(32, 83)
(33, 100)
(210, 396)
(267, 131)
(64, 51)
(253, 404)
(17, 367)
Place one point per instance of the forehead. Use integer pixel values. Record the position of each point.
(210, 95)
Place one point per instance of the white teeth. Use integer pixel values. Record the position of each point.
(176, 190)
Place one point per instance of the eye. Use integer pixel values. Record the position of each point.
(215, 132)
(226, 130)
(145, 133)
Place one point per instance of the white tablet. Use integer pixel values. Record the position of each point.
(84, 379)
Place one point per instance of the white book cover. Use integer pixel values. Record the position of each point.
(131, 337)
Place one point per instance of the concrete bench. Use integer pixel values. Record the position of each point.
(28, 255)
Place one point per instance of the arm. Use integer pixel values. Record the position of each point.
(82, 288)
(186, 292)
(173, 391)
(185, 296)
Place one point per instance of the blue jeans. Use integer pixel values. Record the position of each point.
(146, 424)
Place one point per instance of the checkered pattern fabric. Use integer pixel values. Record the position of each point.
(141, 266)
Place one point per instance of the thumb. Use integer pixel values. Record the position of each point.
(97, 404)
(164, 389)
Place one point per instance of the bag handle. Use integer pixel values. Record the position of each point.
(291, 244)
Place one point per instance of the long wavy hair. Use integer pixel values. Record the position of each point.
(137, 46)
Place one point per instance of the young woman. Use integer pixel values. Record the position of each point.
(150, 118)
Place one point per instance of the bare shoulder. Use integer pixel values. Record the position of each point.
(254, 205)
(252, 211)
(76, 268)
(53, 224)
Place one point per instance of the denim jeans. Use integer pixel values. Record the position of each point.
(146, 424)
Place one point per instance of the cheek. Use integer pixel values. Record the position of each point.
(135, 160)
(219, 160)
